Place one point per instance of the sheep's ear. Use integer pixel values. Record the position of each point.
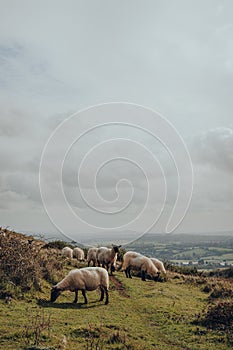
(119, 246)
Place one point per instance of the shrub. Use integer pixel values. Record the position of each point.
(221, 292)
(207, 289)
(219, 316)
(57, 245)
(227, 273)
(24, 265)
(121, 253)
(185, 270)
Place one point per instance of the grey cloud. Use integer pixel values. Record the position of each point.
(10, 199)
(215, 148)
(173, 56)
(213, 165)
(213, 189)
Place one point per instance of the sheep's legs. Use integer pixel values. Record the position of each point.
(102, 294)
(76, 297)
(84, 295)
(128, 272)
(106, 292)
(143, 275)
(112, 269)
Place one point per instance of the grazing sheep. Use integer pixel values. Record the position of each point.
(134, 254)
(67, 252)
(85, 279)
(91, 256)
(107, 257)
(139, 262)
(159, 264)
(78, 253)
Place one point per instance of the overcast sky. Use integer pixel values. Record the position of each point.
(59, 57)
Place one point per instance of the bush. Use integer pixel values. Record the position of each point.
(219, 316)
(57, 245)
(221, 292)
(207, 289)
(185, 270)
(24, 265)
(227, 273)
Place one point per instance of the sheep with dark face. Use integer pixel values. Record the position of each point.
(85, 279)
(107, 257)
(136, 261)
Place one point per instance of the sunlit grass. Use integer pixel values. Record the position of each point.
(149, 315)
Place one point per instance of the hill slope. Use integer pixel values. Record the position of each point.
(140, 315)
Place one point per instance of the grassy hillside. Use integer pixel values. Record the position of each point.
(141, 315)
(183, 312)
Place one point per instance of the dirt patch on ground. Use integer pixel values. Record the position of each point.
(118, 285)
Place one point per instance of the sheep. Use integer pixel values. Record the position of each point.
(91, 256)
(107, 257)
(159, 264)
(139, 262)
(67, 252)
(114, 263)
(78, 253)
(84, 279)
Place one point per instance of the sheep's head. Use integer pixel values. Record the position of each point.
(55, 292)
(116, 248)
(156, 277)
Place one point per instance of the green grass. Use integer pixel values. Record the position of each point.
(144, 315)
(227, 257)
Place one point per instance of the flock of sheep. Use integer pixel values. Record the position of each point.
(91, 278)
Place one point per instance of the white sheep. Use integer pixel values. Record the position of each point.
(136, 261)
(85, 279)
(67, 252)
(159, 264)
(78, 253)
(91, 256)
(107, 257)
